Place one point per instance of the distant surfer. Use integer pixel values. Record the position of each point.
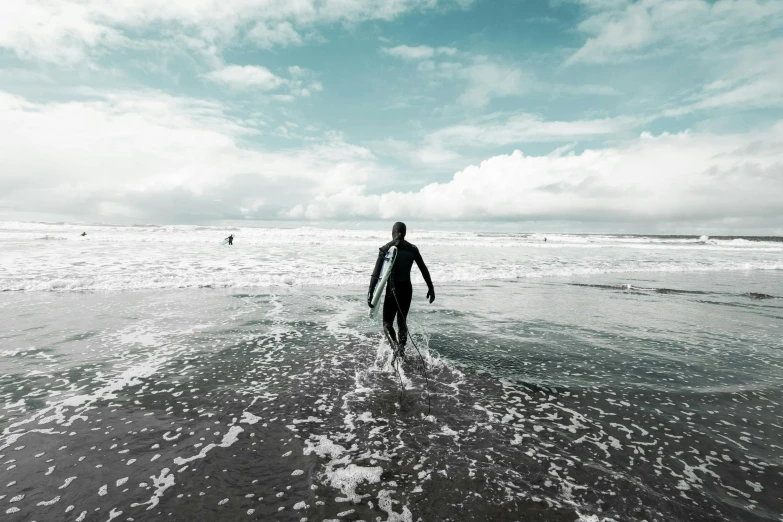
(230, 239)
(84, 234)
(399, 290)
(544, 240)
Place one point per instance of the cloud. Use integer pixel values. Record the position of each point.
(484, 78)
(487, 79)
(151, 156)
(455, 145)
(420, 52)
(623, 29)
(56, 31)
(686, 177)
(426, 154)
(285, 98)
(528, 128)
(246, 77)
(754, 82)
(69, 31)
(256, 77)
(268, 35)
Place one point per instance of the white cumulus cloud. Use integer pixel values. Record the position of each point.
(147, 155)
(257, 77)
(246, 76)
(685, 176)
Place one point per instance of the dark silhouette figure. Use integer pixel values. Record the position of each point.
(84, 234)
(230, 239)
(544, 240)
(398, 289)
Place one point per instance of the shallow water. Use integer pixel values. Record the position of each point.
(623, 396)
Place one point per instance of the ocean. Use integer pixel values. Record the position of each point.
(153, 373)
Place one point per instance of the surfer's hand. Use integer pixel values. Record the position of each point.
(431, 294)
(369, 298)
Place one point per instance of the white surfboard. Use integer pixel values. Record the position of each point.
(386, 270)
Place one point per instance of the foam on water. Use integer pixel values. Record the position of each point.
(148, 257)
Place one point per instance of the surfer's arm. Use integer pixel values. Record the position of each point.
(423, 268)
(426, 275)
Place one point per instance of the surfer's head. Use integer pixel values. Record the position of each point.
(398, 230)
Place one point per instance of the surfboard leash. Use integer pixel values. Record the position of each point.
(423, 364)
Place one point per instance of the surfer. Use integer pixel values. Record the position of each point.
(84, 234)
(230, 239)
(399, 290)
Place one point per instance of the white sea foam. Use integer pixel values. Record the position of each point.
(57, 411)
(162, 482)
(149, 257)
(67, 482)
(386, 503)
(323, 447)
(348, 478)
(228, 439)
(249, 418)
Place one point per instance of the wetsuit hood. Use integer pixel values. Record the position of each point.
(398, 230)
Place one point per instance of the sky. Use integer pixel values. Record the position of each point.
(565, 115)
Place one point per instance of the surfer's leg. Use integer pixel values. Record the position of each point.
(389, 311)
(404, 294)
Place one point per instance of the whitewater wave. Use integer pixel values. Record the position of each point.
(41, 257)
(308, 235)
(144, 280)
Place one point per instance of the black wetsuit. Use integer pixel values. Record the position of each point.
(399, 285)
